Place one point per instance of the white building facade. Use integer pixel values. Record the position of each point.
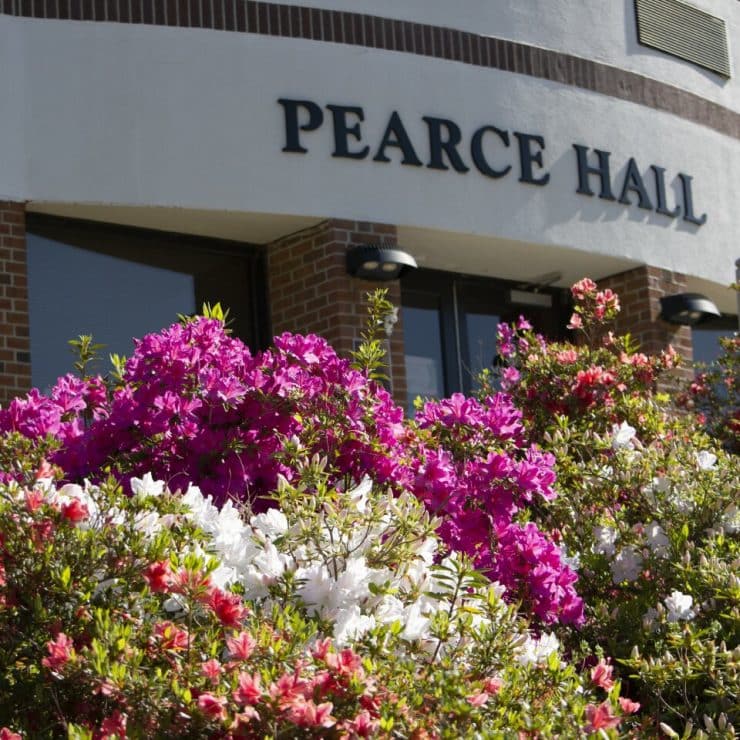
(173, 151)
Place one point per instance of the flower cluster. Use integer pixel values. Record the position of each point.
(648, 509)
(194, 405)
(714, 395)
(138, 630)
(586, 381)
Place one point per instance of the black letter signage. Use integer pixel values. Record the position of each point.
(292, 125)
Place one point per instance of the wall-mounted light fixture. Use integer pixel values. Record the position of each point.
(688, 309)
(376, 262)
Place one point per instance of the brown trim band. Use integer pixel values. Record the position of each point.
(357, 29)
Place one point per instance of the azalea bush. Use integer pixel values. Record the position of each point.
(337, 615)
(194, 405)
(212, 542)
(647, 510)
(714, 396)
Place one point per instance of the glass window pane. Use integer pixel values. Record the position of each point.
(480, 330)
(75, 291)
(423, 343)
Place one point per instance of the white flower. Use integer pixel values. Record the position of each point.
(537, 651)
(679, 606)
(359, 495)
(266, 568)
(203, 512)
(351, 624)
(148, 522)
(353, 583)
(622, 436)
(271, 524)
(572, 561)
(316, 588)
(224, 576)
(682, 504)
(605, 538)
(657, 540)
(147, 486)
(730, 520)
(626, 566)
(416, 625)
(389, 610)
(706, 460)
(649, 618)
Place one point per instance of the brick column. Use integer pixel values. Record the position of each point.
(640, 291)
(15, 343)
(311, 292)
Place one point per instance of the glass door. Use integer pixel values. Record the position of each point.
(450, 323)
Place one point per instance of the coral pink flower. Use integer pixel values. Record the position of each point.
(601, 717)
(576, 322)
(582, 288)
(46, 470)
(6, 734)
(75, 511)
(567, 356)
(628, 706)
(228, 607)
(214, 707)
(212, 670)
(477, 700)
(249, 690)
(60, 652)
(321, 649)
(159, 576)
(193, 583)
(346, 662)
(242, 719)
(363, 725)
(601, 675)
(241, 646)
(170, 636)
(305, 713)
(34, 499)
(493, 685)
(114, 725)
(289, 687)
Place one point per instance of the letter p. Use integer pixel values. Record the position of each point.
(293, 124)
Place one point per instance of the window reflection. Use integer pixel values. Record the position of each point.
(117, 282)
(424, 370)
(480, 331)
(73, 291)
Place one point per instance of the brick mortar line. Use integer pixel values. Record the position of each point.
(419, 39)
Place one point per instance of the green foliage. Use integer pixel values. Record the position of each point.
(649, 507)
(87, 353)
(370, 356)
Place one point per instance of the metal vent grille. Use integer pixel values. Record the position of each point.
(684, 31)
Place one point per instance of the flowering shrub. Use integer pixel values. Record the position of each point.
(328, 568)
(647, 512)
(715, 397)
(194, 405)
(157, 615)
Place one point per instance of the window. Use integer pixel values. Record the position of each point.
(705, 338)
(117, 283)
(449, 327)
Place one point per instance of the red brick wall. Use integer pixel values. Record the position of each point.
(640, 291)
(311, 292)
(15, 343)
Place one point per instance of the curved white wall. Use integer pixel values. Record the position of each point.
(602, 30)
(148, 116)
